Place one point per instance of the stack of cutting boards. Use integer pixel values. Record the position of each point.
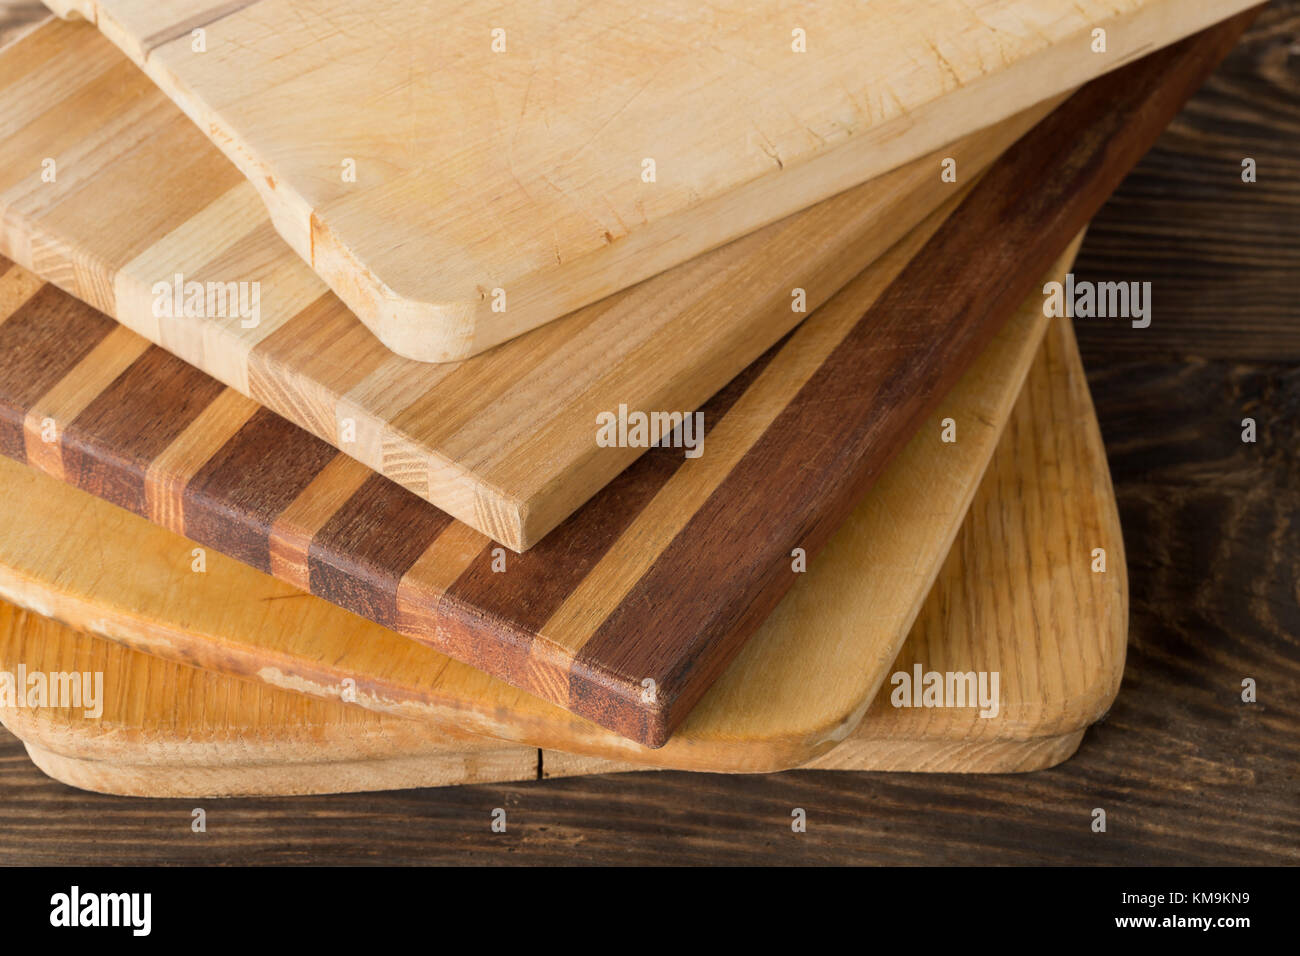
(410, 397)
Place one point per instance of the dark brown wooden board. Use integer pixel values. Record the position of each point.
(608, 599)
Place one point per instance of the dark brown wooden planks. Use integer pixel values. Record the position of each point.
(41, 341)
(662, 576)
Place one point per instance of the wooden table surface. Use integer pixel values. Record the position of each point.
(1187, 772)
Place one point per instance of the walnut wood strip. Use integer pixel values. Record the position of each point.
(104, 423)
(170, 472)
(234, 500)
(360, 556)
(503, 442)
(64, 402)
(41, 341)
(297, 525)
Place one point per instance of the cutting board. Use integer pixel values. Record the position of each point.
(1012, 597)
(171, 730)
(422, 162)
(505, 442)
(798, 687)
(628, 612)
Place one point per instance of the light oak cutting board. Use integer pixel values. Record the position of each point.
(1014, 597)
(505, 442)
(630, 611)
(585, 147)
(797, 688)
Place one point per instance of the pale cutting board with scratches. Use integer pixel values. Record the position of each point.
(426, 161)
(107, 190)
(1015, 597)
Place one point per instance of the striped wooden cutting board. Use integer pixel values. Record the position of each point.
(627, 613)
(107, 190)
(797, 686)
(421, 159)
(1023, 553)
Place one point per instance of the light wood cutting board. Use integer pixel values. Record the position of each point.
(632, 609)
(171, 730)
(584, 148)
(505, 442)
(798, 687)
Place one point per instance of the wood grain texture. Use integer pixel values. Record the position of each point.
(667, 573)
(760, 716)
(238, 478)
(505, 442)
(539, 189)
(1016, 596)
(164, 729)
(1215, 298)
(821, 474)
(1196, 776)
(1021, 565)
